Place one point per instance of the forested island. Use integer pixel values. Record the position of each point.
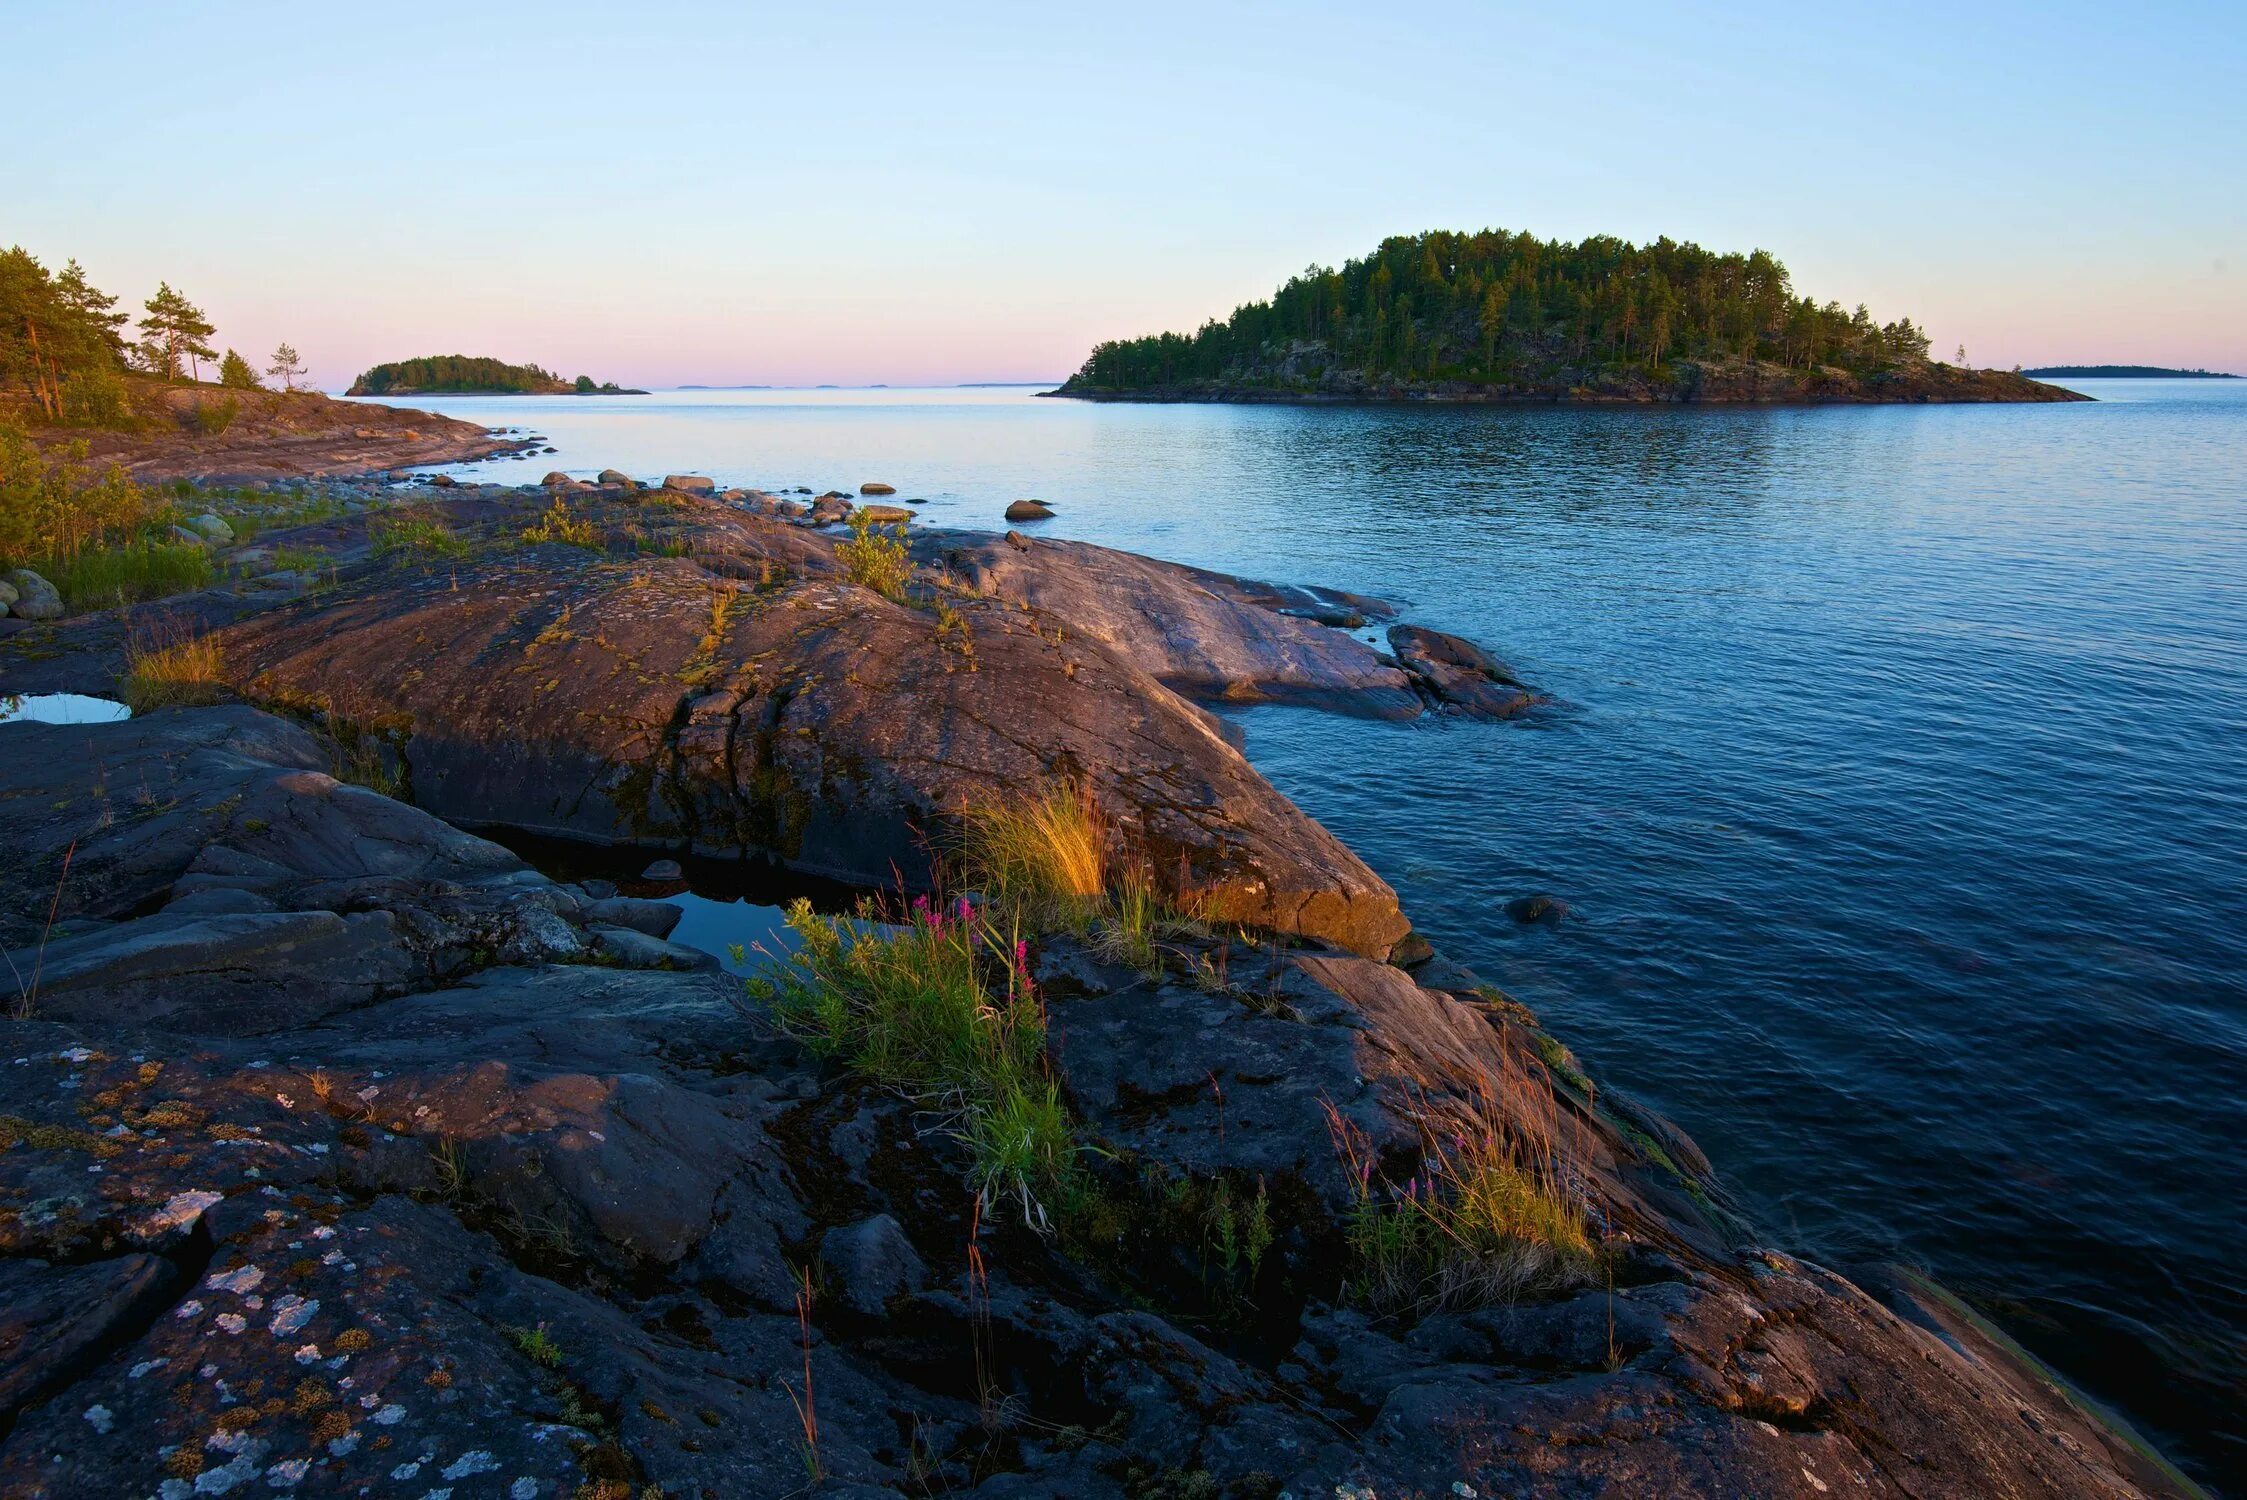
(1499, 316)
(463, 375)
(2124, 372)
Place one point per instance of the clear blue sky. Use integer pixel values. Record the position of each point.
(670, 192)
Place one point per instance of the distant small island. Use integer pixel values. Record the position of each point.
(462, 375)
(2124, 372)
(1496, 316)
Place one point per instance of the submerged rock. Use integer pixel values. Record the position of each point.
(1548, 911)
(1458, 674)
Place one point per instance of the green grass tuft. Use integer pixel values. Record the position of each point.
(101, 577)
(941, 1009)
(412, 535)
(1484, 1219)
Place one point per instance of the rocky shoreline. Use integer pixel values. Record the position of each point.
(341, 1151)
(207, 434)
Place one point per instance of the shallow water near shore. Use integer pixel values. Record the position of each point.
(1896, 779)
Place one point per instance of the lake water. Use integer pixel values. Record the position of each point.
(1896, 778)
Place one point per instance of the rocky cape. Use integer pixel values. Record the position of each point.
(1305, 376)
(212, 434)
(342, 1152)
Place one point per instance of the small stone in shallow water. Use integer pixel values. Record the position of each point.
(1539, 908)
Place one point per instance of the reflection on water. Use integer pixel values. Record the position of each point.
(60, 708)
(1896, 785)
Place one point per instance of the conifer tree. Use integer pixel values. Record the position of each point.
(179, 328)
(235, 372)
(285, 367)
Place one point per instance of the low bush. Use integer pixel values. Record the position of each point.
(98, 398)
(560, 525)
(876, 557)
(52, 505)
(214, 417)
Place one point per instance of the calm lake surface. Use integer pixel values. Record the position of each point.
(1896, 777)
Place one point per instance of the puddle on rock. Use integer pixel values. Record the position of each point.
(726, 906)
(60, 708)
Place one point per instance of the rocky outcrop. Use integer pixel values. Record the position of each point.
(563, 691)
(1459, 675)
(1204, 634)
(269, 435)
(526, 1225)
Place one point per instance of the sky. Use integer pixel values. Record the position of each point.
(665, 193)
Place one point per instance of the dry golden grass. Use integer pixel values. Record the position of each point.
(166, 668)
(1047, 855)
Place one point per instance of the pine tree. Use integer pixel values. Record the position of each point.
(235, 372)
(180, 329)
(285, 367)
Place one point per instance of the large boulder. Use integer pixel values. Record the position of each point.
(690, 484)
(1028, 510)
(35, 598)
(874, 487)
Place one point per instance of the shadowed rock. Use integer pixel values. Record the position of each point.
(536, 1228)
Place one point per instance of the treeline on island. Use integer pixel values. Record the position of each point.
(462, 374)
(2126, 372)
(1496, 315)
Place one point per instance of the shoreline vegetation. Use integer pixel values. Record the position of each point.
(465, 375)
(1500, 317)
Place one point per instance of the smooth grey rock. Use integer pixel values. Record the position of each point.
(57, 1321)
(637, 950)
(212, 528)
(221, 975)
(871, 1262)
(655, 918)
